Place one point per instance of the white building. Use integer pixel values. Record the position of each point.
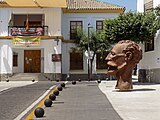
(36, 36)
(149, 67)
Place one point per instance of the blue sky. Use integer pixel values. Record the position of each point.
(128, 4)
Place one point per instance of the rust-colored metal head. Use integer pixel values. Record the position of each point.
(122, 58)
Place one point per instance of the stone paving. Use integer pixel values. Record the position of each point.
(83, 101)
(142, 103)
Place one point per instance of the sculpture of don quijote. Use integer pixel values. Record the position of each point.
(121, 60)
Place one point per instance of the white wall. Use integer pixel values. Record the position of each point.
(51, 47)
(151, 59)
(52, 18)
(85, 18)
(4, 19)
(6, 57)
(47, 47)
(140, 5)
(156, 3)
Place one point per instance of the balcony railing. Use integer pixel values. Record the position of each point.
(31, 31)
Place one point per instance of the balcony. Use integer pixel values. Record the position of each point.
(31, 31)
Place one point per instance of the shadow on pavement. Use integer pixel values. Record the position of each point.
(135, 90)
(140, 83)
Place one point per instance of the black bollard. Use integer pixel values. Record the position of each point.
(7, 80)
(63, 84)
(52, 97)
(73, 82)
(48, 102)
(60, 88)
(57, 80)
(33, 80)
(99, 81)
(56, 92)
(39, 112)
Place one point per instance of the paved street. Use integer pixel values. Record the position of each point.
(83, 101)
(16, 99)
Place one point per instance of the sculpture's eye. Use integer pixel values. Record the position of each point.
(112, 53)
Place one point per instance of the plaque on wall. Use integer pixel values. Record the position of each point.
(56, 57)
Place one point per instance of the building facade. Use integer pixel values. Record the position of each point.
(149, 67)
(38, 37)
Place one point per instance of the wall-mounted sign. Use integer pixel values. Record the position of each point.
(56, 57)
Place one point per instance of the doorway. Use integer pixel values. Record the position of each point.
(32, 61)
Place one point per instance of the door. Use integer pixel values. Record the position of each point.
(32, 61)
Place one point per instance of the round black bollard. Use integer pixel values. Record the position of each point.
(7, 80)
(56, 92)
(63, 84)
(60, 88)
(33, 80)
(52, 97)
(99, 81)
(39, 112)
(79, 80)
(57, 80)
(48, 102)
(73, 82)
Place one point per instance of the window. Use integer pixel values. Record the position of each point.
(74, 25)
(101, 63)
(15, 59)
(76, 61)
(149, 46)
(148, 5)
(99, 26)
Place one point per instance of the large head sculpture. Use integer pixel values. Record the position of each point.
(121, 60)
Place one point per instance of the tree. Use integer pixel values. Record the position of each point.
(157, 11)
(139, 27)
(97, 43)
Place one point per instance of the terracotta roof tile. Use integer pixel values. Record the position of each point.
(3, 3)
(90, 5)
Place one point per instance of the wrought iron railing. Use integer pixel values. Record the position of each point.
(31, 31)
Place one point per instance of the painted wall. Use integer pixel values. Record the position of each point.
(140, 4)
(86, 18)
(156, 3)
(151, 59)
(52, 18)
(6, 57)
(4, 19)
(49, 46)
(66, 47)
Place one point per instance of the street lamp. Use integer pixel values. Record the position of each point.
(89, 56)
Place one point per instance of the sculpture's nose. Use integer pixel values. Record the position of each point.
(108, 58)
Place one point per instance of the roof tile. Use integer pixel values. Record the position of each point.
(90, 5)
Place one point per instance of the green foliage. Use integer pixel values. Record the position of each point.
(157, 11)
(81, 39)
(97, 41)
(138, 27)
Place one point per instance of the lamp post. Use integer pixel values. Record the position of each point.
(89, 56)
